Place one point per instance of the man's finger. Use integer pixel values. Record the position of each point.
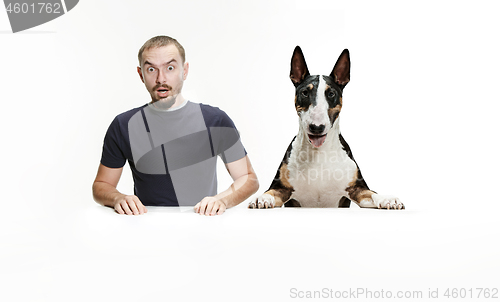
(210, 207)
(142, 209)
(215, 207)
(202, 209)
(118, 209)
(203, 206)
(126, 208)
(133, 207)
(222, 209)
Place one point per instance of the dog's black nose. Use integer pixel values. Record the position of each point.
(316, 130)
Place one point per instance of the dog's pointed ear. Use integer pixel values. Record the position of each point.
(298, 71)
(341, 73)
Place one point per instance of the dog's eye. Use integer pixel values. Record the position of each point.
(331, 94)
(305, 93)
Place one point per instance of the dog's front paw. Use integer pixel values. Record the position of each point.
(387, 202)
(264, 201)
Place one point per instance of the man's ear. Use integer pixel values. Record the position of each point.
(186, 70)
(298, 68)
(341, 73)
(139, 71)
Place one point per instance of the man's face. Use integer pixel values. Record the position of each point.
(163, 72)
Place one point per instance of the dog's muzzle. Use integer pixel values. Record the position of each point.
(316, 136)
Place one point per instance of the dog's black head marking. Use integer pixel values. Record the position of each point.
(318, 99)
(306, 85)
(306, 93)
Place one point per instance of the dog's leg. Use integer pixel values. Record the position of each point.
(359, 192)
(369, 199)
(273, 198)
(387, 202)
(280, 190)
(292, 203)
(344, 202)
(366, 198)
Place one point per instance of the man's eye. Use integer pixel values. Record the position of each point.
(151, 69)
(170, 68)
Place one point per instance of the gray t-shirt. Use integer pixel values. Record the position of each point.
(172, 154)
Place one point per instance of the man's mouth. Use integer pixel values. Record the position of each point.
(162, 91)
(317, 140)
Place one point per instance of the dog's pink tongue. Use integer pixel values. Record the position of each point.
(317, 141)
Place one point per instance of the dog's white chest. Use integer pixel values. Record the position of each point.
(320, 176)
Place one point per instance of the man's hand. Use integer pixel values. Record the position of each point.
(130, 205)
(210, 206)
(244, 184)
(105, 192)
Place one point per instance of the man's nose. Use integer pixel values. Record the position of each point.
(162, 76)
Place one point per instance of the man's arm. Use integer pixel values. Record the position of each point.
(105, 192)
(245, 184)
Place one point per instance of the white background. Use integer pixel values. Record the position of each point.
(420, 115)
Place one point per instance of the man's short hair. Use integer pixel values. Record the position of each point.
(160, 41)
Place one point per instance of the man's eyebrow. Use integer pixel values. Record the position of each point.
(169, 62)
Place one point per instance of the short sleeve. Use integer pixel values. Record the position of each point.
(228, 141)
(112, 150)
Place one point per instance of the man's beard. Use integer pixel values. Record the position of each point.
(164, 103)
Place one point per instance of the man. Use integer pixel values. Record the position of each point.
(171, 145)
